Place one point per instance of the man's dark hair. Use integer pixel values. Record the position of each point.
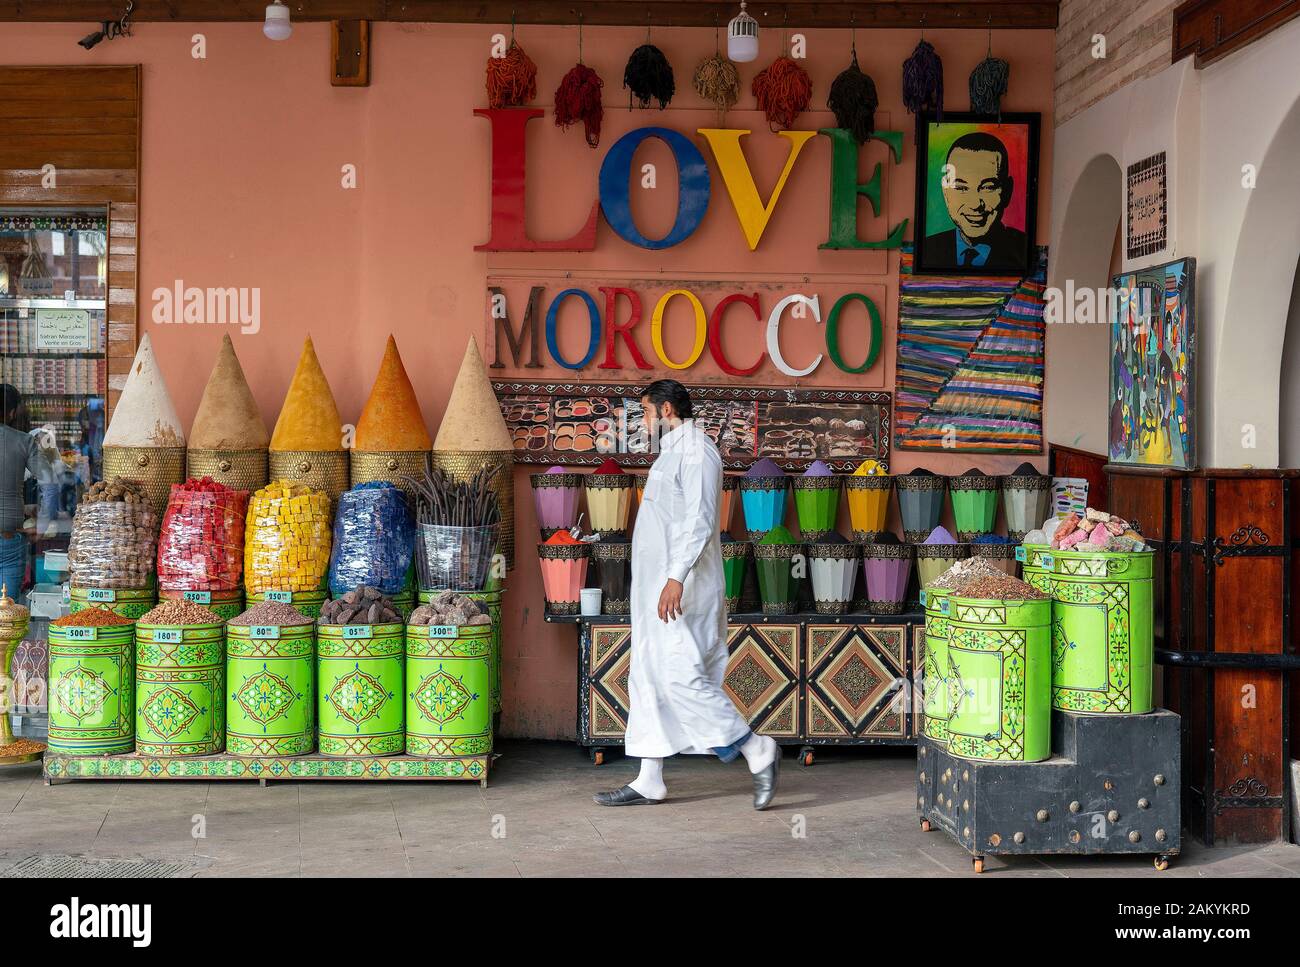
(10, 402)
(669, 391)
(983, 141)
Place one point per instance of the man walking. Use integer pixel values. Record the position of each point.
(679, 617)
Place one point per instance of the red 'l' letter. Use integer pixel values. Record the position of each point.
(624, 332)
(508, 166)
(715, 334)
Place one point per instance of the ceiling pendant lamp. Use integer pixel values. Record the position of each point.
(278, 25)
(742, 37)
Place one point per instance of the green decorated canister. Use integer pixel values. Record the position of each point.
(228, 604)
(999, 663)
(974, 503)
(127, 602)
(735, 559)
(308, 602)
(359, 676)
(1036, 566)
(270, 702)
(1102, 634)
(934, 671)
(180, 690)
(448, 706)
(92, 689)
(816, 503)
(490, 598)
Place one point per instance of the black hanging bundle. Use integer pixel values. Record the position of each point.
(923, 80)
(853, 100)
(988, 85)
(649, 77)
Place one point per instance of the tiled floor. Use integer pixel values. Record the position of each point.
(850, 814)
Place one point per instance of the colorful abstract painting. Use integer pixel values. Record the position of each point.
(1152, 366)
(969, 374)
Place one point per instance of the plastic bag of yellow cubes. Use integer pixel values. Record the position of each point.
(287, 538)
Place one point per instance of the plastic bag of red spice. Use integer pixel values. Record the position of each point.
(201, 546)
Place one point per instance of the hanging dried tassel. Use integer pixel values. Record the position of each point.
(783, 90)
(649, 77)
(854, 101)
(718, 82)
(578, 99)
(988, 84)
(923, 80)
(512, 79)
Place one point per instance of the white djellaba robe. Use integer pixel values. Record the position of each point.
(675, 682)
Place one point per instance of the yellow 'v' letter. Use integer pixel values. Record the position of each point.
(751, 211)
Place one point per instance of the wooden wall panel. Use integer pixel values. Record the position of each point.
(85, 121)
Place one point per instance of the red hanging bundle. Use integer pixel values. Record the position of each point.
(783, 90)
(578, 99)
(512, 79)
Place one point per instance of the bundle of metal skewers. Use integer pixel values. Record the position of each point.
(459, 529)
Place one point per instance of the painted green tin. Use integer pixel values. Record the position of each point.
(448, 705)
(92, 689)
(308, 602)
(999, 661)
(1102, 632)
(816, 505)
(227, 604)
(974, 503)
(360, 673)
(735, 560)
(127, 602)
(1036, 565)
(934, 670)
(492, 599)
(270, 698)
(180, 689)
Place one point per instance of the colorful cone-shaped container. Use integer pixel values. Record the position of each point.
(91, 689)
(868, 497)
(1026, 500)
(144, 440)
(270, 699)
(934, 666)
(762, 497)
(360, 684)
(228, 441)
(180, 690)
(933, 559)
(556, 495)
(609, 498)
(391, 442)
(974, 503)
(564, 571)
(816, 501)
(1001, 556)
(833, 565)
(727, 507)
(448, 706)
(888, 570)
(1102, 631)
(612, 560)
(774, 556)
(307, 444)
(920, 501)
(736, 556)
(999, 654)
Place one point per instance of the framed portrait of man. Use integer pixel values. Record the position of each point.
(976, 194)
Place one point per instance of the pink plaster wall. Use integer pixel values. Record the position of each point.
(241, 186)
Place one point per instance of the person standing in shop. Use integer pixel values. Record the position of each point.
(679, 615)
(20, 452)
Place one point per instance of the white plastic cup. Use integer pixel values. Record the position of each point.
(589, 600)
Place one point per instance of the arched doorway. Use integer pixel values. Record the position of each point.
(1086, 255)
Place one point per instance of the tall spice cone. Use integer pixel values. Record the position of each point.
(307, 444)
(228, 441)
(144, 440)
(391, 442)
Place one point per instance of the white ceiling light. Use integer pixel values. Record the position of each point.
(742, 37)
(277, 25)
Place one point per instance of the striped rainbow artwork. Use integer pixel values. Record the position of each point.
(970, 362)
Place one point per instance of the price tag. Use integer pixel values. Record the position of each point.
(101, 594)
(81, 634)
(280, 597)
(167, 636)
(357, 631)
(443, 631)
(943, 606)
(264, 632)
(923, 597)
(1047, 561)
(1020, 553)
(199, 597)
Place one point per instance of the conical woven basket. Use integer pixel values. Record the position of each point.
(237, 469)
(157, 468)
(325, 470)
